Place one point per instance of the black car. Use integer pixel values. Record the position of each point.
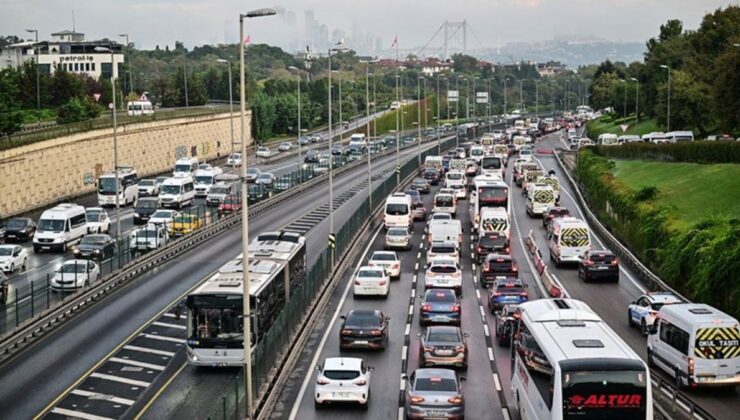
(599, 265)
(95, 247)
(505, 321)
(252, 174)
(431, 175)
(257, 193)
(552, 213)
(364, 329)
(497, 265)
(506, 291)
(491, 243)
(421, 185)
(443, 345)
(312, 156)
(19, 229)
(145, 207)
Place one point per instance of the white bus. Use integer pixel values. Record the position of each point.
(140, 108)
(128, 191)
(277, 267)
(566, 363)
(487, 192)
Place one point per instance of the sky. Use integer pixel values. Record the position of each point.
(493, 22)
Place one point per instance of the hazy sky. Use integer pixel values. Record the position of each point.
(197, 22)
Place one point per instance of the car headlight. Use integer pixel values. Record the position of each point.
(137, 214)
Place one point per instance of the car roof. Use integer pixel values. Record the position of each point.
(505, 257)
(662, 297)
(364, 312)
(342, 363)
(435, 373)
(96, 236)
(384, 253)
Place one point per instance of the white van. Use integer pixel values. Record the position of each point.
(398, 211)
(477, 153)
(569, 241)
(358, 139)
(185, 167)
(60, 227)
(445, 203)
(434, 162)
(140, 108)
(540, 197)
(494, 219)
(607, 139)
(445, 230)
(680, 136)
(204, 179)
(519, 142)
(177, 192)
(696, 344)
(629, 138)
(128, 191)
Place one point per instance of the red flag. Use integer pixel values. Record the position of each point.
(248, 39)
(395, 41)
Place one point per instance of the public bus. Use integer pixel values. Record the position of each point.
(277, 267)
(566, 363)
(488, 191)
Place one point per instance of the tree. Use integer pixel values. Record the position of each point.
(691, 103)
(73, 111)
(65, 86)
(462, 63)
(602, 91)
(10, 115)
(726, 103)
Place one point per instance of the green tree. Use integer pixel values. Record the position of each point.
(691, 103)
(73, 111)
(603, 91)
(65, 86)
(726, 103)
(10, 115)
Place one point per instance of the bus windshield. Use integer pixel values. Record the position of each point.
(216, 317)
(604, 395)
(490, 163)
(107, 186)
(183, 167)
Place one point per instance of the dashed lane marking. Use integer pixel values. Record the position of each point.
(77, 414)
(135, 363)
(148, 350)
(114, 378)
(106, 397)
(168, 325)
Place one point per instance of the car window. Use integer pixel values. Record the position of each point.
(370, 273)
(435, 384)
(443, 336)
(383, 257)
(341, 375)
(440, 296)
(362, 320)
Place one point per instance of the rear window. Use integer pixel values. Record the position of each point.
(443, 249)
(383, 257)
(509, 290)
(443, 269)
(493, 241)
(443, 336)
(370, 273)
(602, 258)
(440, 296)
(397, 232)
(361, 320)
(435, 384)
(341, 375)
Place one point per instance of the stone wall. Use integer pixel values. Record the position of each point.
(43, 173)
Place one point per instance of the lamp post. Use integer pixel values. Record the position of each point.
(521, 96)
(506, 117)
(663, 66)
(231, 104)
(537, 98)
(36, 57)
(245, 213)
(338, 47)
(475, 107)
(130, 69)
(488, 104)
(637, 99)
(398, 128)
(185, 76)
(457, 112)
(438, 115)
(375, 107)
(298, 73)
(624, 109)
(418, 115)
(367, 127)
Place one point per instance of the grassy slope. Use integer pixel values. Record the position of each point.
(597, 127)
(692, 191)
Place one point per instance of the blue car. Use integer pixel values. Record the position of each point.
(506, 291)
(440, 306)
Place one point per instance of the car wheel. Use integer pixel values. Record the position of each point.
(650, 361)
(64, 247)
(677, 376)
(36, 250)
(630, 322)
(317, 404)
(25, 263)
(12, 268)
(643, 327)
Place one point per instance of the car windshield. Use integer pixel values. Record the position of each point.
(6, 251)
(435, 384)
(396, 209)
(184, 218)
(73, 268)
(509, 290)
(443, 249)
(146, 204)
(267, 177)
(219, 190)
(419, 181)
(93, 240)
(443, 336)
(253, 171)
(383, 257)
(362, 320)
(147, 183)
(48, 225)
(204, 179)
(454, 176)
(370, 273)
(163, 214)
(397, 232)
(93, 216)
(232, 200)
(235, 156)
(17, 223)
(107, 185)
(170, 189)
(146, 232)
(341, 375)
(183, 168)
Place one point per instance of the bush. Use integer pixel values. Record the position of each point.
(694, 151)
(73, 111)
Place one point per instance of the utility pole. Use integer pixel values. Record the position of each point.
(38, 83)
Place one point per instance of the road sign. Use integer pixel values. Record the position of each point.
(481, 97)
(332, 240)
(452, 95)
(96, 96)
(624, 127)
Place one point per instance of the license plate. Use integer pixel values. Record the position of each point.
(361, 342)
(602, 268)
(439, 318)
(45, 247)
(442, 281)
(436, 413)
(444, 352)
(11, 235)
(341, 394)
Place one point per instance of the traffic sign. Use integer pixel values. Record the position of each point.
(624, 127)
(96, 96)
(332, 240)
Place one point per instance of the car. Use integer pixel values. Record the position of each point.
(161, 179)
(554, 212)
(19, 229)
(266, 179)
(234, 160)
(434, 393)
(231, 204)
(397, 238)
(643, 312)
(316, 138)
(285, 146)
(418, 210)
(342, 380)
(443, 273)
(387, 260)
(337, 150)
(4, 287)
(439, 216)
(491, 243)
(263, 152)
(257, 192)
(443, 345)
(599, 264)
(505, 291)
(217, 193)
(252, 174)
(184, 224)
(421, 185)
(74, 274)
(497, 265)
(304, 141)
(148, 188)
(505, 321)
(371, 281)
(440, 306)
(431, 175)
(144, 209)
(364, 329)
(148, 238)
(162, 217)
(443, 249)
(97, 246)
(13, 257)
(312, 156)
(97, 220)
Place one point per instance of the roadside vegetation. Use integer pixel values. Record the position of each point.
(611, 124)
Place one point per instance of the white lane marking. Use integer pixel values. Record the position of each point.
(497, 382)
(170, 315)
(477, 293)
(472, 247)
(472, 255)
(527, 256)
(413, 293)
(136, 363)
(404, 350)
(473, 266)
(421, 246)
(490, 354)
(99, 396)
(482, 312)
(414, 280)
(408, 329)
(168, 325)
(315, 360)
(77, 414)
(506, 414)
(148, 350)
(416, 267)
(418, 255)
(475, 279)
(400, 413)
(163, 338)
(119, 379)
(411, 309)
(403, 383)
(486, 331)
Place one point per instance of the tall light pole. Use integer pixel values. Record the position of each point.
(375, 107)
(398, 127)
(506, 117)
(36, 58)
(231, 105)
(521, 96)
(245, 212)
(637, 99)
(457, 112)
(537, 98)
(298, 73)
(488, 104)
(130, 69)
(338, 47)
(663, 66)
(185, 78)
(418, 114)
(467, 99)
(475, 107)
(439, 98)
(624, 109)
(367, 126)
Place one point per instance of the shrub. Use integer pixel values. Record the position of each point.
(694, 151)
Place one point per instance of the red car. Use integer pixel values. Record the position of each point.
(231, 204)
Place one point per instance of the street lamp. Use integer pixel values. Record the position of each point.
(367, 126)
(663, 66)
(637, 100)
(521, 95)
(231, 104)
(506, 117)
(298, 73)
(338, 47)
(398, 128)
(475, 107)
(438, 115)
(245, 213)
(36, 57)
(418, 113)
(624, 110)
(130, 69)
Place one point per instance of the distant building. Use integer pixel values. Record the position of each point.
(432, 66)
(550, 68)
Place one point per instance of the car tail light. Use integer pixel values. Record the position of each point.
(428, 349)
(480, 248)
(523, 294)
(360, 382)
(396, 265)
(455, 400)
(322, 381)
(357, 283)
(426, 307)
(455, 308)
(417, 400)
(376, 332)
(691, 366)
(346, 332)
(507, 250)
(431, 274)
(514, 268)
(588, 262)
(496, 294)
(486, 267)
(460, 348)
(614, 262)
(381, 283)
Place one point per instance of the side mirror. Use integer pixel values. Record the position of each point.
(466, 335)
(318, 367)
(404, 377)
(633, 303)
(418, 334)
(343, 317)
(462, 379)
(387, 318)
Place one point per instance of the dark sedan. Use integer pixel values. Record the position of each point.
(440, 306)
(599, 265)
(506, 292)
(434, 393)
(505, 321)
(364, 329)
(19, 229)
(443, 345)
(421, 185)
(256, 193)
(491, 243)
(145, 207)
(431, 175)
(95, 247)
(498, 265)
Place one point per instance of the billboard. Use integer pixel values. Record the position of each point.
(481, 97)
(453, 95)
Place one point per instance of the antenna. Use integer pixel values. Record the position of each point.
(73, 21)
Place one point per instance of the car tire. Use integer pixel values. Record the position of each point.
(643, 327)
(630, 322)
(36, 250)
(25, 264)
(12, 268)
(678, 382)
(64, 247)
(650, 361)
(317, 404)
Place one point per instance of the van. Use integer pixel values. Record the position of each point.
(494, 219)
(358, 139)
(540, 197)
(177, 192)
(60, 227)
(445, 203)
(445, 230)
(185, 167)
(140, 108)
(477, 152)
(680, 136)
(434, 162)
(607, 139)
(398, 211)
(696, 344)
(128, 191)
(629, 138)
(519, 142)
(570, 239)
(204, 178)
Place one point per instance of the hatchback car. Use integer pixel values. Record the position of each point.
(388, 260)
(421, 185)
(440, 306)
(231, 204)
(163, 217)
(397, 238)
(74, 274)
(431, 175)
(19, 229)
(342, 380)
(99, 247)
(443, 345)
(643, 312)
(443, 249)
(443, 273)
(498, 265)
(266, 179)
(364, 329)
(13, 257)
(263, 152)
(505, 291)
(284, 146)
(148, 187)
(491, 243)
(312, 156)
(148, 238)
(505, 322)
(434, 393)
(599, 265)
(253, 174)
(234, 160)
(184, 224)
(97, 220)
(257, 192)
(371, 281)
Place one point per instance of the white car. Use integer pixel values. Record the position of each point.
(388, 260)
(74, 274)
(342, 379)
(284, 146)
(443, 249)
(263, 152)
(443, 273)
(148, 187)
(97, 220)
(525, 153)
(162, 217)
(371, 281)
(148, 238)
(12, 257)
(642, 312)
(234, 160)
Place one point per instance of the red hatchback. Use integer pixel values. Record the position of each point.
(231, 204)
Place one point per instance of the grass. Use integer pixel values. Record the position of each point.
(602, 125)
(31, 116)
(387, 122)
(692, 192)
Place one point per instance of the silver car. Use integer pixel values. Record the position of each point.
(434, 393)
(397, 238)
